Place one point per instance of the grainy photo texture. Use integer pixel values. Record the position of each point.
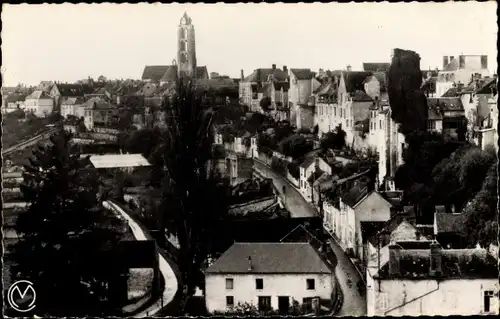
(250, 159)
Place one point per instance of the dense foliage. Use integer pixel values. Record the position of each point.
(296, 146)
(67, 239)
(407, 100)
(334, 139)
(194, 203)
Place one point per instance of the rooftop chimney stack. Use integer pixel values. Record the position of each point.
(394, 253)
(445, 61)
(274, 67)
(349, 68)
(435, 260)
(242, 75)
(250, 263)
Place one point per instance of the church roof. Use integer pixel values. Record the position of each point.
(154, 72)
(170, 75)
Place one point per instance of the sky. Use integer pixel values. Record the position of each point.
(68, 42)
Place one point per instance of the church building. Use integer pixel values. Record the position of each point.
(185, 66)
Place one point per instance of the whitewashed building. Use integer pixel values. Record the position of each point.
(431, 281)
(72, 106)
(268, 276)
(39, 103)
(312, 168)
(460, 70)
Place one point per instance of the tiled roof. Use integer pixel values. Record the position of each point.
(327, 89)
(72, 101)
(274, 258)
(154, 72)
(355, 194)
(489, 87)
(370, 229)
(303, 74)
(360, 96)
(308, 162)
(201, 72)
(252, 206)
(12, 98)
(452, 66)
(354, 80)
(170, 75)
(216, 83)
(263, 74)
(96, 103)
(376, 67)
(71, 90)
(317, 174)
(446, 104)
(38, 94)
(452, 92)
(455, 263)
(450, 223)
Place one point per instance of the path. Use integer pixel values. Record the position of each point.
(354, 304)
(294, 202)
(170, 281)
(29, 142)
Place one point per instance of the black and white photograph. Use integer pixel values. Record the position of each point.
(313, 159)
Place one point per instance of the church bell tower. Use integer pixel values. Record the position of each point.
(186, 53)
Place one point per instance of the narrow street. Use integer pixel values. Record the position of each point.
(354, 304)
(295, 203)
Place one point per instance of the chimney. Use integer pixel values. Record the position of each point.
(274, 67)
(242, 75)
(435, 259)
(285, 69)
(349, 68)
(445, 61)
(250, 263)
(394, 253)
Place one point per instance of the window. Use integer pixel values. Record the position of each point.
(488, 294)
(431, 125)
(382, 301)
(229, 283)
(259, 283)
(182, 45)
(310, 284)
(264, 303)
(380, 124)
(229, 301)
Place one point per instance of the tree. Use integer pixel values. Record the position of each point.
(193, 201)
(265, 103)
(334, 139)
(407, 100)
(67, 239)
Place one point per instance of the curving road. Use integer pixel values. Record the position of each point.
(170, 281)
(354, 304)
(293, 200)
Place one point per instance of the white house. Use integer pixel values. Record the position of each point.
(268, 276)
(354, 207)
(39, 103)
(72, 106)
(460, 70)
(311, 169)
(431, 281)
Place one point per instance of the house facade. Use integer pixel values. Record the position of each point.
(460, 70)
(311, 169)
(72, 106)
(98, 113)
(268, 276)
(39, 103)
(432, 281)
(302, 84)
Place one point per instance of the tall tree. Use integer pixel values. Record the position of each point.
(194, 202)
(408, 102)
(66, 239)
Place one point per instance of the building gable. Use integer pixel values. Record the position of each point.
(374, 207)
(404, 231)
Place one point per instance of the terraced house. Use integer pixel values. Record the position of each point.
(252, 85)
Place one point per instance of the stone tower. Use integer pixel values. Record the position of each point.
(186, 53)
